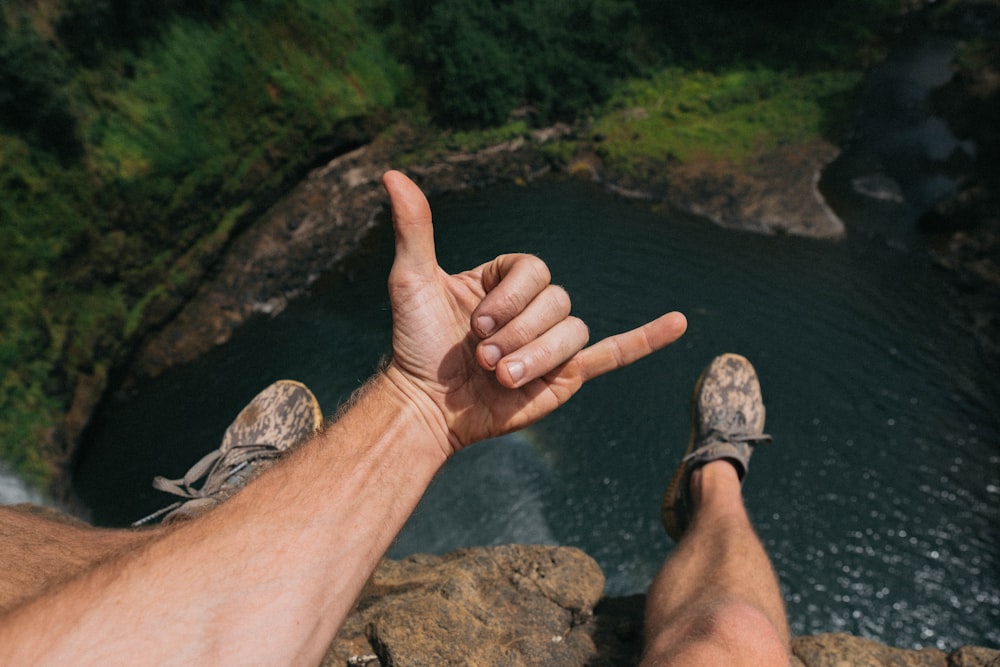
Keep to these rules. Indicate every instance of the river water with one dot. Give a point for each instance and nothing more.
(879, 499)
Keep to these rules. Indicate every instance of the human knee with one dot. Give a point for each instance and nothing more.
(744, 630)
(731, 632)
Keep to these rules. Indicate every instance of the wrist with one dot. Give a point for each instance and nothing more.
(412, 399)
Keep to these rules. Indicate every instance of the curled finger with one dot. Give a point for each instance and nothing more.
(545, 311)
(537, 358)
(511, 282)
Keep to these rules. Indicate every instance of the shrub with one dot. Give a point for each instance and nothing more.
(33, 101)
(481, 60)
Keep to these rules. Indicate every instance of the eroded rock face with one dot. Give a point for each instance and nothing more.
(776, 193)
(507, 605)
(319, 223)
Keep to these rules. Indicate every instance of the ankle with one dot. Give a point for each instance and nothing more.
(716, 481)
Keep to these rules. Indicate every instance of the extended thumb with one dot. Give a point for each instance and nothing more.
(411, 220)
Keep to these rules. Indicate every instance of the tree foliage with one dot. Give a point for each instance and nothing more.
(135, 138)
(790, 34)
(480, 60)
(33, 99)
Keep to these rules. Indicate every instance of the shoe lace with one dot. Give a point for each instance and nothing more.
(735, 437)
(734, 431)
(216, 467)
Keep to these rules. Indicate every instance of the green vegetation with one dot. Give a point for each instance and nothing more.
(137, 137)
(131, 142)
(683, 115)
(478, 61)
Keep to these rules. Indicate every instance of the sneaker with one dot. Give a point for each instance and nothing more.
(727, 422)
(278, 418)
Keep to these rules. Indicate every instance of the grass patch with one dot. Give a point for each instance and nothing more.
(678, 115)
(434, 144)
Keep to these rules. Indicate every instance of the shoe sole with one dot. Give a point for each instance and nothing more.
(284, 414)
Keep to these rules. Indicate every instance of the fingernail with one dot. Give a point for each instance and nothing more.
(491, 355)
(516, 370)
(486, 325)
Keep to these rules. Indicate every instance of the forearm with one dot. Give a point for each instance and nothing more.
(266, 578)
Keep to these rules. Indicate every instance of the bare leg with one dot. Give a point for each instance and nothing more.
(717, 600)
(37, 551)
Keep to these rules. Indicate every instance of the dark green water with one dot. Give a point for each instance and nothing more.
(878, 499)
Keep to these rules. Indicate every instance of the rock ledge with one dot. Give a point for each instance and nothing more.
(542, 605)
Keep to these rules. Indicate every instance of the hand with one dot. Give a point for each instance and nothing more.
(493, 349)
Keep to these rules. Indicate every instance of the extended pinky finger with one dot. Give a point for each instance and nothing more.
(625, 348)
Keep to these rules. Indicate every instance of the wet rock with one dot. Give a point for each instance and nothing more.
(776, 193)
(879, 187)
(970, 221)
(963, 211)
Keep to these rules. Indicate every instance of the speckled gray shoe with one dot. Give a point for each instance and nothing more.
(280, 417)
(727, 422)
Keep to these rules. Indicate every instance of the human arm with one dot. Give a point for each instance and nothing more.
(269, 576)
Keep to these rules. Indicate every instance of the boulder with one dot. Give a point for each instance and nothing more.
(777, 192)
(843, 650)
(508, 605)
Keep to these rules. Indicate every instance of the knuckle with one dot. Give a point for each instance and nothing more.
(521, 332)
(510, 303)
(581, 327)
(560, 298)
(542, 270)
(537, 268)
(540, 355)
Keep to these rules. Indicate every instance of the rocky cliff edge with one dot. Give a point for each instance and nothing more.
(543, 605)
